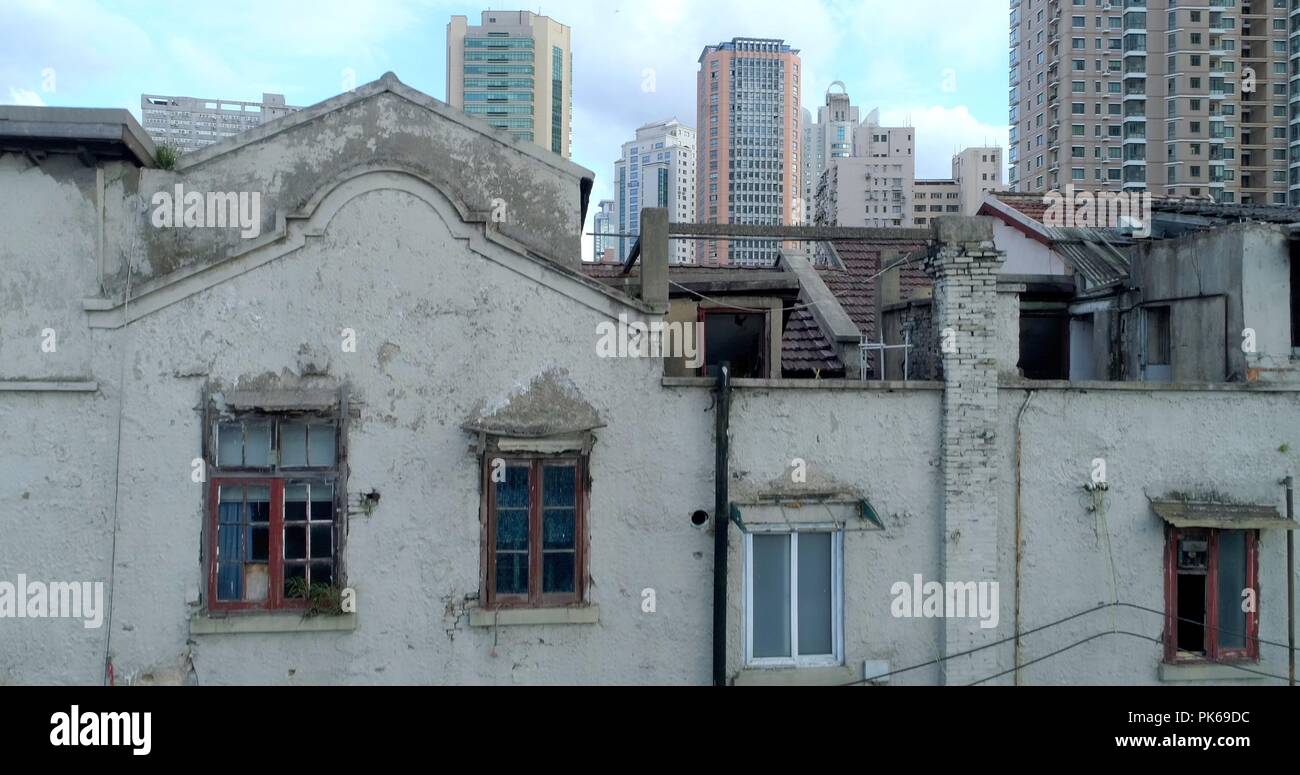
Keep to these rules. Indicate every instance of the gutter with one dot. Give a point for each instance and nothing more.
(721, 521)
(1029, 396)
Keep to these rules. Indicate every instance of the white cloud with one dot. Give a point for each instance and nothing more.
(941, 132)
(24, 97)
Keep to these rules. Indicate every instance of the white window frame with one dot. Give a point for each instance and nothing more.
(837, 597)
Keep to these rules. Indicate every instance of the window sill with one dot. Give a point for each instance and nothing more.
(488, 617)
(203, 624)
(796, 676)
(1205, 671)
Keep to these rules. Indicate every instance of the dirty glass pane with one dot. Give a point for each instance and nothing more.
(230, 444)
(257, 444)
(320, 441)
(256, 583)
(1232, 582)
(229, 547)
(558, 486)
(259, 503)
(557, 571)
(293, 444)
(230, 581)
(771, 589)
(322, 502)
(293, 571)
(513, 492)
(295, 542)
(322, 573)
(512, 529)
(322, 542)
(512, 573)
(231, 500)
(815, 593)
(259, 543)
(557, 529)
(295, 502)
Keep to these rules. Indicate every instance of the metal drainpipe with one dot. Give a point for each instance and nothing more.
(1290, 583)
(721, 521)
(1029, 396)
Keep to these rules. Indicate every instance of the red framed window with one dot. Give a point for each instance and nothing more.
(273, 529)
(1211, 594)
(535, 533)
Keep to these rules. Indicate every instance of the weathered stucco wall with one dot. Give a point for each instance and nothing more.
(1154, 442)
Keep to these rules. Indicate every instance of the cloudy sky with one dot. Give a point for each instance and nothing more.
(939, 65)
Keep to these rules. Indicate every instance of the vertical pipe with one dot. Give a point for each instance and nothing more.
(1290, 584)
(1029, 395)
(721, 521)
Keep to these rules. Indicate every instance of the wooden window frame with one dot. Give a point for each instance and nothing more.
(276, 478)
(535, 598)
(1213, 652)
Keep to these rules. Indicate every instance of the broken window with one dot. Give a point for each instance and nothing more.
(793, 598)
(1212, 594)
(739, 338)
(274, 523)
(1044, 345)
(1156, 344)
(536, 531)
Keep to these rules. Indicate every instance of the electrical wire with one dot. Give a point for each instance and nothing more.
(1040, 628)
(117, 465)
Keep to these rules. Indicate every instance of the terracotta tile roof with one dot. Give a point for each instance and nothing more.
(855, 286)
(805, 349)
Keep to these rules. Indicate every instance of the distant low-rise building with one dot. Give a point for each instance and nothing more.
(190, 123)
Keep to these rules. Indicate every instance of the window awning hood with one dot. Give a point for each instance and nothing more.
(1224, 516)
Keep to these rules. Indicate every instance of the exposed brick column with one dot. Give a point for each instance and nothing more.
(965, 266)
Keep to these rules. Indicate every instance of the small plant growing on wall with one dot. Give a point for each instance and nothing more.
(321, 598)
(166, 156)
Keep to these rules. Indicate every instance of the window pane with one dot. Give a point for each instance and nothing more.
(557, 529)
(815, 593)
(557, 571)
(512, 529)
(771, 589)
(322, 501)
(293, 444)
(295, 502)
(558, 486)
(293, 571)
(259, 503)
(513, 492)
(295, 542)
(230, 444)
(259, 543)
(257, 444)
(320, 450)
(322, 542)
(512, 573)
(1232, 582)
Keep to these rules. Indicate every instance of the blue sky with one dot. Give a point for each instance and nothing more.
(939, 65)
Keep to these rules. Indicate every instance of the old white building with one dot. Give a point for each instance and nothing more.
(394, 399)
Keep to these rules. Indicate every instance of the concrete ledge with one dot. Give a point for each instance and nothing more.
(484, 617)
(804, 384)
(1206, 671)
(797, 676)
(47, 386)
(202, 624)
(1006, 383)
